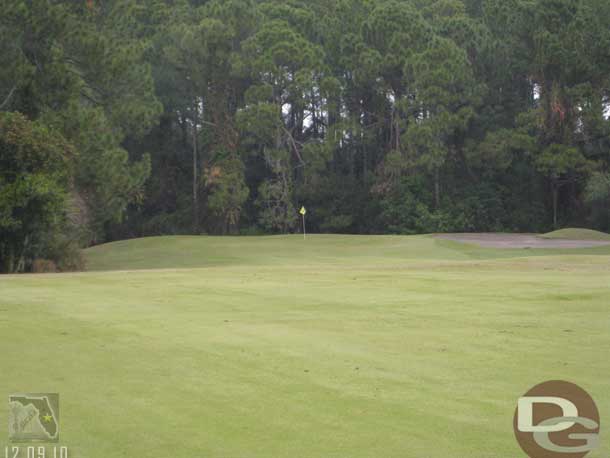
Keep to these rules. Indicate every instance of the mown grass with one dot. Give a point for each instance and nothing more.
(192, 252)
(336, 346)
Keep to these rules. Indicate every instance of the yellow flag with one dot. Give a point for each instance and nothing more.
(303, 211)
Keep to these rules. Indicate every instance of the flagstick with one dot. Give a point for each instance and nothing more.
(304, 231)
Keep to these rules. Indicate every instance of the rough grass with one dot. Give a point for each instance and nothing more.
(577, 234)
(343, 347)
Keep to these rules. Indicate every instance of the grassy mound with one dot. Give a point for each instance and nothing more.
(291, 250)
(192, 252)
(577, 234)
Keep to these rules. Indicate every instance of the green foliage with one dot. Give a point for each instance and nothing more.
(598, 197)
(277, 212)
(381, 116)
(105, 177)
(228, 192)
(35, 174)
(80, 70)
(558, 160)
(598, 189)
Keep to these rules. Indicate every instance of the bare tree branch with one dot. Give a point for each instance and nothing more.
(8, 98)
(294, 145)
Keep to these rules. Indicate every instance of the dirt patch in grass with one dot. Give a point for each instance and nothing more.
(520, 241)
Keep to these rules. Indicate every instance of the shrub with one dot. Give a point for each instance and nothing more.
(43, 266)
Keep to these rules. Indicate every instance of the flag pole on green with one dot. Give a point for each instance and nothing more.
(303, 212)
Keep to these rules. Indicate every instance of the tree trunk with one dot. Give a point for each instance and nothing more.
(20, 265)
(10, 263)
(555, 203)
(195, 174)
(437, 188)
(365, 161)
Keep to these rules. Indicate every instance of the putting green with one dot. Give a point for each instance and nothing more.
(335, 346)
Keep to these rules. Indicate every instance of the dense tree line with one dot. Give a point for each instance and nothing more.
(125, 118)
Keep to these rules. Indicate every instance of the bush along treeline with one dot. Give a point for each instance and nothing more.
(128, 118)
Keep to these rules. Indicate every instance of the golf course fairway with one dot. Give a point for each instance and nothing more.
(330, 347)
